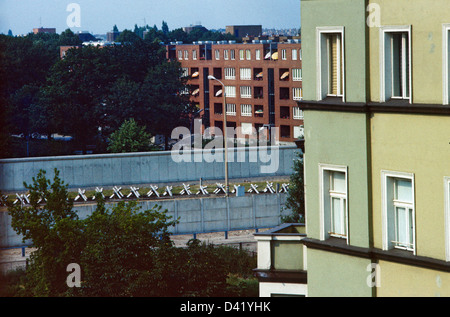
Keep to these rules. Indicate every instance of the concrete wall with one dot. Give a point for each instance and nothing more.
(197, 215)
(145, 168)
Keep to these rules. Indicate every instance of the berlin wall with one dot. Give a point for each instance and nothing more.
(82, 171)
(196, 215)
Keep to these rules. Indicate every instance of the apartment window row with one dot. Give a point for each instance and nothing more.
(244, 54)
(397, 206)
(395, 63)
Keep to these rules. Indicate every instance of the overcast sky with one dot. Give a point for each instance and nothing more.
(99, 16)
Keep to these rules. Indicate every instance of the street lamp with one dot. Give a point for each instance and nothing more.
(227, 187)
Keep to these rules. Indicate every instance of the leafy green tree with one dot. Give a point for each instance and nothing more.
(130, 137)
(115, 248)
(47, 225)
(296, 194)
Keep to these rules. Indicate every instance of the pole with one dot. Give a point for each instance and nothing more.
(227, 187)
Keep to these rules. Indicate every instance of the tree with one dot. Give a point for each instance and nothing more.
(296, 194)
(115, 248)
(47, 225)
(129, 138)
(115, 29)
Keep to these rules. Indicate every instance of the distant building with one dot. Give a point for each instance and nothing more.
(263, 81)
(85, 36)
(241, 31)
(189, 29)
(112, 36)
(44, 30)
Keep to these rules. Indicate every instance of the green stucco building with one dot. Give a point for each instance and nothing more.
(377, 147)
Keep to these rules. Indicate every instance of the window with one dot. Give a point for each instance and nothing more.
(338, 204)
(231, 109)
(248, 55)
(330, 54)
(184, 72)
(241, 55)
(230, 73)
(283, 54)
(230, 91)
(297, 93)
(225, 54)
(334, 65)
(246, 73)
(446, 64)
(297, 74)
(232, 55)
(180, 54)
(333, 201)
(217, 54)
(297, 113)
(300, 53)
(398, 219)
(246, 110)
(258, 55)
(186, 54)
(395, 64)
(194, 54)
(294, 54)
(246, 92)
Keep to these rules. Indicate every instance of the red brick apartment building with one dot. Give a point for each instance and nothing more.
(262, 80)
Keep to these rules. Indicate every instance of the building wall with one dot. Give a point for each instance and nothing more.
(337, 138)
(417, 144)
(196, 215)
(426, 19)
(210, 66)
(147, 167)
(346, 13)
(334, 275)
(412, 282)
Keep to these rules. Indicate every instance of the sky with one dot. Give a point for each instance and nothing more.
(99, 16)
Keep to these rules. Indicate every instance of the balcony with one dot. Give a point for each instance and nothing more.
(281, 261)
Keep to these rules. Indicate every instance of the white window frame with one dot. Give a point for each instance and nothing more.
(246, 91)
(186, 54)
(232, 54)
(245, 73)
(297, 93)
(248, 54)
(297, 74)
(231, 109)
(246, 110)
(446, 64)
(241, 55)
(217, 54)
(385, 81)
(322, 60)
(294, 54)
(300, 54)
(230, 91)
(230, 73)
(194, 54)
(225, 55)
(324, 202)
(283, 54)
(258, 54)
(297, 113)
(388, 226)
(447, 216)
(180, 54)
